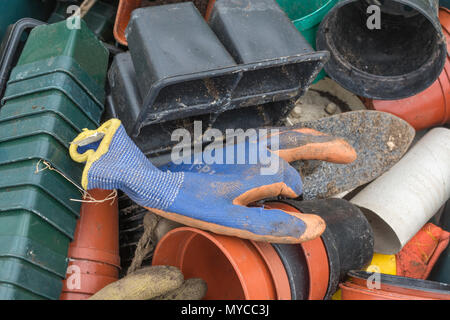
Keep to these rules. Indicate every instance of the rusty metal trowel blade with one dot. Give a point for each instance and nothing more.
(380, 140)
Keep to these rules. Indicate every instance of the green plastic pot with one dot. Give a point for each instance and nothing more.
(306, 16)
(38, 202)
(12, 292)
(80, 44)
(441, 270)
(444, 3)
(23, 173)
(34, 253)
(29, 277)
(63, 64)
(24, 223)
(41, 146)
(52, 101)
(100, 18)
(47, 123)
(55, 81)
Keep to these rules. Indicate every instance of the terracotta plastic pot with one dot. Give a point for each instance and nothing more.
(74, 296)
(392, 288)
(97, 232)
(431, 107)
(125, 9)
(95, 268)
(401, 201)
(316, 258)
(346, 244)
(94, 251)
(89, 284)
(233, 268)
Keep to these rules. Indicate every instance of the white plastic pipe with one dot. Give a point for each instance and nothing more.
(403, 199)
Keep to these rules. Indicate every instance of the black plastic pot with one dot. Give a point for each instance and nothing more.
(9, 47)
(348, 237)
(183, 67)
(294, 263)
(277, 62)
(402, 58)
(154, 140)
(267, 60)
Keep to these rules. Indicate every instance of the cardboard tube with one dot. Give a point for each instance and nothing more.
(402, 200)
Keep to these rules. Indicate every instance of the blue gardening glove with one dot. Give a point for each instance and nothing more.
(216, 203)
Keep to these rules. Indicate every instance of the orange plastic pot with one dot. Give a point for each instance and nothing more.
(89, 284)
(233, 268)
(355, 292)
(123, 16)
(94, 268)
(74, 296)
(316, 260)
(391, 287)
(97, 233)
(431, 107)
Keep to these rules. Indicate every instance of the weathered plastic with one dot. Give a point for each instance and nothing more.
(430, 107)
(23, 223)
(26, 276)
(37, 201)
(399, 60)
(125, 103)
(63, 64)
(99, 19)
(306, 17)
(24, 173)
(197, 77)
(52, 101)
(80, 44)
(55, 81)
(10, 44)
(12, 292)
(277, 62)
(41, 146)
(31, 251)
(41, 123)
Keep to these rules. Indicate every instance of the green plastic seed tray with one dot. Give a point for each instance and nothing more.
(24, 173)
(45, 147)
(29, 277)
(62, 64)
(12, 292)
(23, 223)
(48, 123)
(34, 253)
(50, 101)
(40, 203)
(56, 81)
(53, 40)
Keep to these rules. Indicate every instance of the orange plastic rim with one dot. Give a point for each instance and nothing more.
(89, 284)
(95, 268)
(316, 259)
(233, 268)
(74, 296)
(391, 288)
(352, 291)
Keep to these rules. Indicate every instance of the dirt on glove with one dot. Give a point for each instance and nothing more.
(143, 284)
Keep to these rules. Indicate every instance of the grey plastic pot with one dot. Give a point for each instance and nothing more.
(400, 59)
